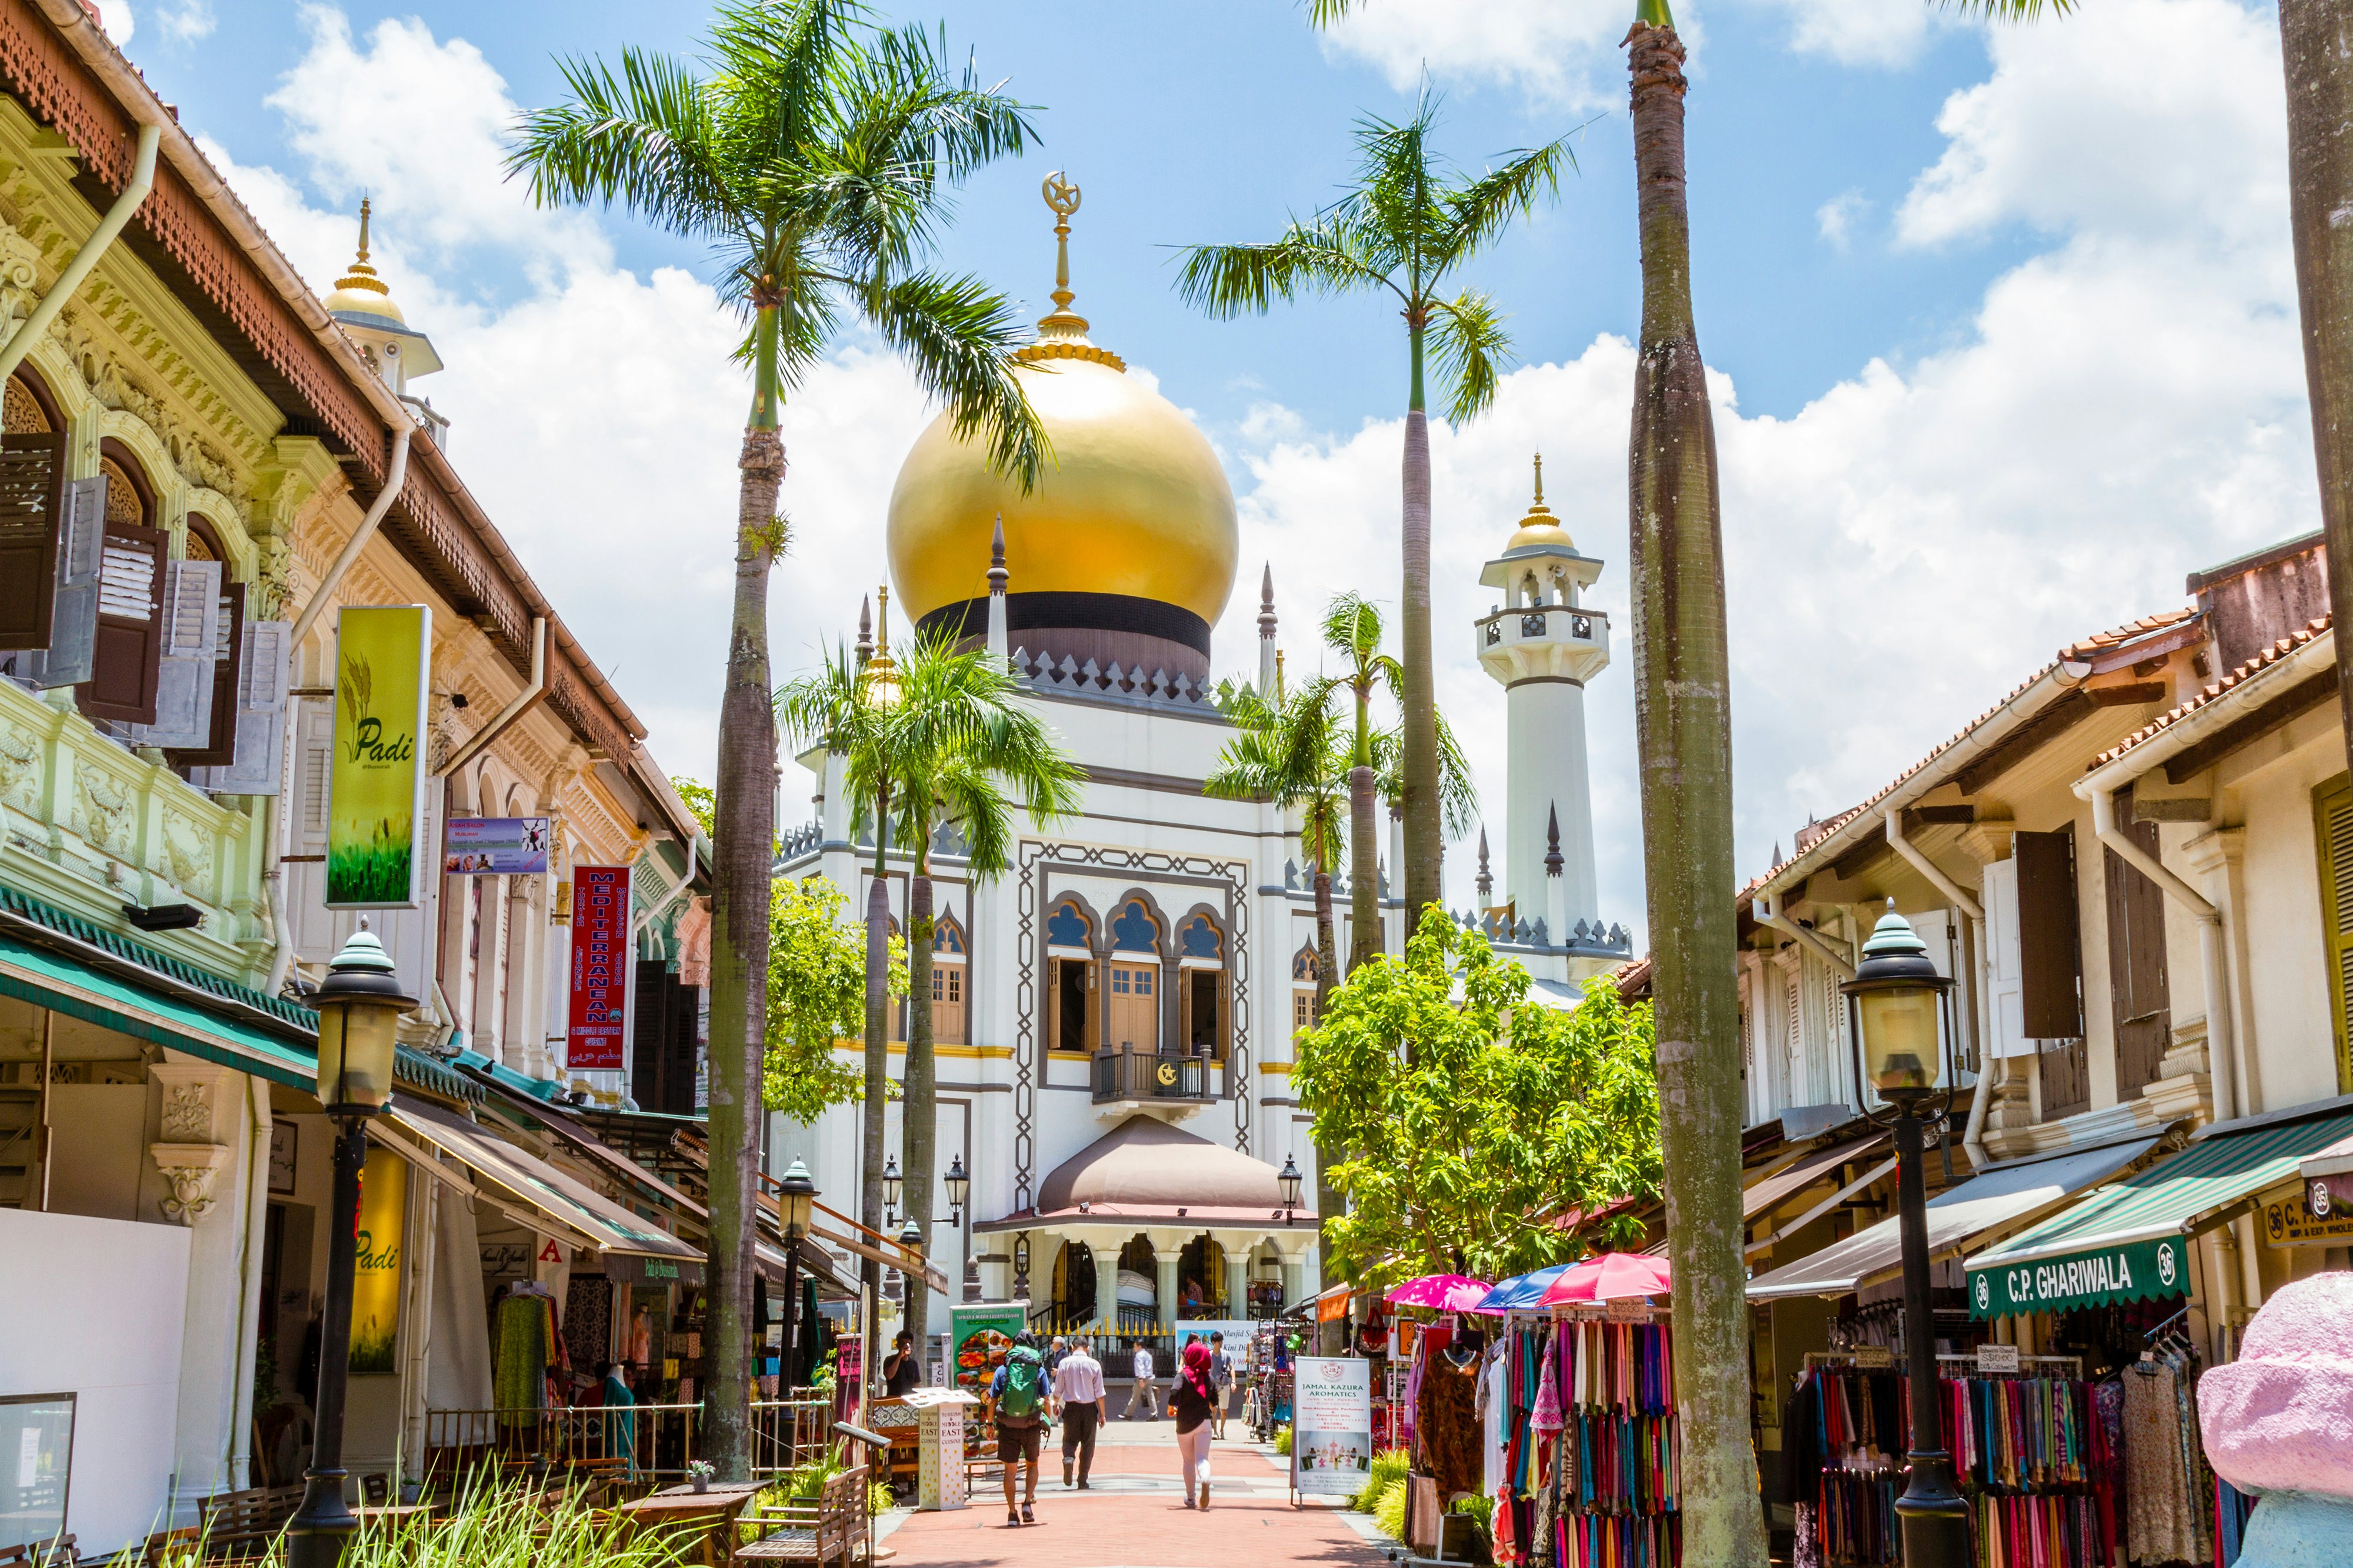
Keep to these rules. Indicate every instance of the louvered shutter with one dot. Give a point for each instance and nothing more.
(219, 747)
(258, 714)
(32, 508)
(313, 741)
(2332, 812)
(128, 659)
(184, 685)
(81, 549)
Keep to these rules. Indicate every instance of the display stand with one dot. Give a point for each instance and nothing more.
(939, 1415)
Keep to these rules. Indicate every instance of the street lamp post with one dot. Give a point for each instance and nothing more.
(360, 1004)
(797, 1196)
(959, 1188)
(892, 1182)
(1896, 1004)
(911, 1278)
(1290, 1182)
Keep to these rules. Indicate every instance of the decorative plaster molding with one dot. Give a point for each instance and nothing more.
(190, 1168)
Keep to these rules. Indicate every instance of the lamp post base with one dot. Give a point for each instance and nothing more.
(1934, 1516)
(322, 1526)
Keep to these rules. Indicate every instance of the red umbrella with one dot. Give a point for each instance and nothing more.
(1611, 1276)
(1440, 1292)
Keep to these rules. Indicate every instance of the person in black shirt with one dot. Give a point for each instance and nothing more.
(1195, 1403)
(903, 1370)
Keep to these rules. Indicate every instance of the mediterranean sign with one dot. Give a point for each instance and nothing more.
(2313, 1220)
(1331, 1425)
(2134, 1271)
(494, 845)
(376, 1282)
(376, 790)
(600, 968)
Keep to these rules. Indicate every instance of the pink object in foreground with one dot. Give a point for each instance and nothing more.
(2280, 1418)
(1611, 1276)
(1440, 1293)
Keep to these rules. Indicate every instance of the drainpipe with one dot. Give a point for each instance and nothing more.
(1981, 1097)
(524, 702)
(142, 179)
(2221, 1058)
(393, 478)
(249, 1340)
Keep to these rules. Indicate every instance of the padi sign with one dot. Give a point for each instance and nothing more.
(2136, 1271)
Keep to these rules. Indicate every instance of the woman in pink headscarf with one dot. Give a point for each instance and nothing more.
(1197, 1402)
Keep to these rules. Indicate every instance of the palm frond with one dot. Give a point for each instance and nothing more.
(1223, 281)
(1470, 347)
(2009, 10)
(960, 336)
(1479, 210)
(1328, 13)
(1351, 628)
(1457, 788)
(641, 139)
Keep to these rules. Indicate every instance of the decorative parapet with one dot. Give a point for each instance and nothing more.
(102, 827)
(1130, 688)
(1583, 940)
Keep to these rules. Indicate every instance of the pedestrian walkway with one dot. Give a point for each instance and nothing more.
(1134, 1516)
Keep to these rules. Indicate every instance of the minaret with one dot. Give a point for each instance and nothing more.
(998, 649)
(362, 304)
(1486, 883)
(865, 631)
(1544, 645)
(1266, 659)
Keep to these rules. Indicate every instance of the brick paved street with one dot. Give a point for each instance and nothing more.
(1134, 1517)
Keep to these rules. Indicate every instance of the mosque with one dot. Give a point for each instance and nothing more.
(1115, 1014)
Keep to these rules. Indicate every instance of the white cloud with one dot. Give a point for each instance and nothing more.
(1837, 217)
(1549, 48)
(116, 16)
(188, 22)
(1887, 34)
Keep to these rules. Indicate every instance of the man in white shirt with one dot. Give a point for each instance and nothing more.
(1079, 1390)
(1142, 1388)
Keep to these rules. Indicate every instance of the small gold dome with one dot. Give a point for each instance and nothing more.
(1135, 504)
(361, 290)
(1540, 527)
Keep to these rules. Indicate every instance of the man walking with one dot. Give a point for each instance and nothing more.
(1221, 1378)
(1018, 1393)
(1142, 1388)
(1079, 1390)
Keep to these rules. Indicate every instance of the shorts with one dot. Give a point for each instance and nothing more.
(1015, 1444)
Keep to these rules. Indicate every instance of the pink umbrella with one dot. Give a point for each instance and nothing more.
(1613, 1276)
(1440, 1293)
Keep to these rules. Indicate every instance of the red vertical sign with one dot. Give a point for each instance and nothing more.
(600, 974)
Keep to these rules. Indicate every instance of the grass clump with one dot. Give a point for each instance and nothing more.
(1388, 1468)
(1388, 1511)
(1282, 1439)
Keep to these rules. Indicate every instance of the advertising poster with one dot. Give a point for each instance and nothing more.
(375, 1285)
(376, 790)
(600, 968)
(1331, 1426)
(494, 845)
(1238, 1334)
(978, 1334)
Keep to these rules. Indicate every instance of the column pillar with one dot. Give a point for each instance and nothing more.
(2219, 858)
(1238, 1274)
(1107, 1285)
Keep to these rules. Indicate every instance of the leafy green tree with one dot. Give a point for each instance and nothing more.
(812, 152)
(816, 996)
(1405, 225)
(1474, 1151)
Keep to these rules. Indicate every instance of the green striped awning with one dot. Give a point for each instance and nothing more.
(2130, 1241)
(54, 981)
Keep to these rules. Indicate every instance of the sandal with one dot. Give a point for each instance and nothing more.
(1026, 1516)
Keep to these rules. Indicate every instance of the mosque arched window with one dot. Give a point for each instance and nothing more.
(949, 977)
(30, 410)
(1072, 1021)
(1134, 930)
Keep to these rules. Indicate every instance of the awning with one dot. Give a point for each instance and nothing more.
(1804, 1172)
(1958, 1218)
(65, 986)
(581, 1212)
(2130, 1242)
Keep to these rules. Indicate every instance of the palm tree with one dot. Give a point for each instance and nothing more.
(1352, 628)
(961, 747)
(1405, 227)
(1293, 752)
(813, 153)
(1683, 713)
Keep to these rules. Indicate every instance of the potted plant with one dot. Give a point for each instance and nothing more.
(698, 1472)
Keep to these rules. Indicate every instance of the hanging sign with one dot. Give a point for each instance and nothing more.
(600, 968)
(2310, 1218)
(2132, 1271)
(1331, 1425)
(376, 816)
(375, 1283)
(494, 845)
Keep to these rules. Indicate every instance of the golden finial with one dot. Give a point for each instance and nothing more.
(881, 672)
(1540, 505)
(1063, 331)
(363, 276)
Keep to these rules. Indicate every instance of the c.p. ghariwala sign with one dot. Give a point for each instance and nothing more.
(2133, 1272)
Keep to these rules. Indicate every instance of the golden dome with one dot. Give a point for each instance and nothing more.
(1134, 506)
(1540, 527)
(361, 290)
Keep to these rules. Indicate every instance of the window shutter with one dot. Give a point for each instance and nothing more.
(184, 681)
(258, 714)
(313, 741)
(128, 659)
(81, 546)
(219, 747)
(32, 507)
(2051, 968)
(2332, 812)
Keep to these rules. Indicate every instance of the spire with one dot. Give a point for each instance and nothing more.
(1552, 842)
(1063, 331)
(1486, 881)
(997, 574)
(1266, 603)
(362, 276)
(882, 671)
(865, 631)
(1539, 505)
(1269, 665)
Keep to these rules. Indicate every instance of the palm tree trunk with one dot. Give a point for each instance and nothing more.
(1364, 869)
(1682, 713)
(1424, 837)
(1329, 1201)
(878, 1040)
(2314, 38)
(919, 1117)
(745, 857)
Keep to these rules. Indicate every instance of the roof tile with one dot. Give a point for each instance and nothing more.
(2242, 674)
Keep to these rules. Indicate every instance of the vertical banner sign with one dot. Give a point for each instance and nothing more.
(600, 969)
(375, 1285)
(1331, 1425)
(376, 820)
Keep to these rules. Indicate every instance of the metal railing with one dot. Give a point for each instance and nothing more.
(653, 1443)
(1164, 1075)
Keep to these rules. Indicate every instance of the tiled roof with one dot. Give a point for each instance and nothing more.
(2117, 636)
(2239, 677)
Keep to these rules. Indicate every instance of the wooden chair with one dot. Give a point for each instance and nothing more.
(831, 1530)
(244, 1523)
(169, 1549)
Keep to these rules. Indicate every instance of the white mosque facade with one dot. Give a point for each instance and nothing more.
(1115, 1015)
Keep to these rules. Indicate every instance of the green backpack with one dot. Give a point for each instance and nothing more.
(1025, 1385)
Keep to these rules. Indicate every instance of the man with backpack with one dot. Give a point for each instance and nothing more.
(1018, 1393)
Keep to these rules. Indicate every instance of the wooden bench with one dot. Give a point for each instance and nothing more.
(833, 1529)
(243, 1524)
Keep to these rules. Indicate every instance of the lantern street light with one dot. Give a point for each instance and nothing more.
(892, 1185)
(959, 1188)
(1291, 1181)
(360, 1004)
(796, 1207)
(911, 1273)
(1897, 1009)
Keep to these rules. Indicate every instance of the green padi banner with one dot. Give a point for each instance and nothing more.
(375, 817)
(2134, 1271)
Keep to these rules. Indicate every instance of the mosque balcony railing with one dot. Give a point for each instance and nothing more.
(1159, 1075)
(1533, 623)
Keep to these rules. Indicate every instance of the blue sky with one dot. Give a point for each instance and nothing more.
(2002, 324)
